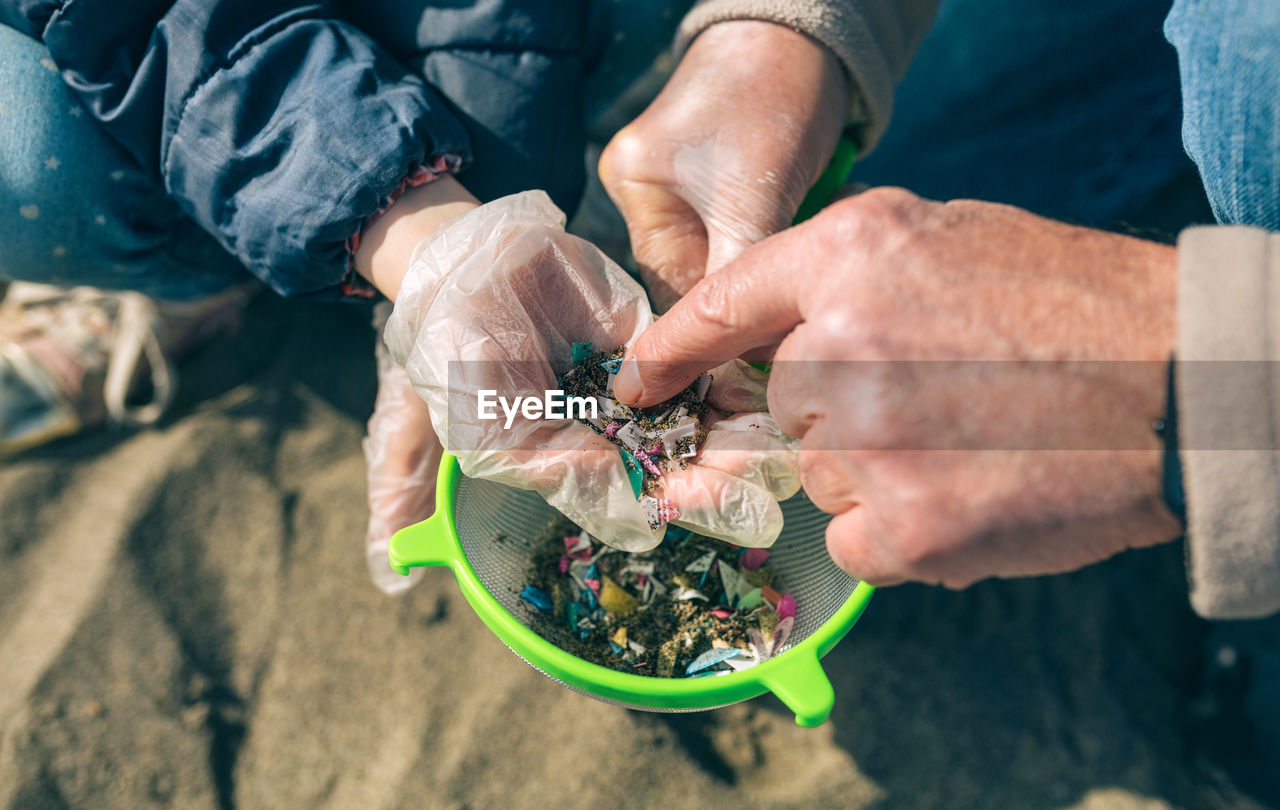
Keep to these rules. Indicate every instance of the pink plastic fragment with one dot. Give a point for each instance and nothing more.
(647, 462)
(611, 429)
(721, 613)
(786, 606)
(753, 558)
(594, 585)
(564, 564)
(577, 547)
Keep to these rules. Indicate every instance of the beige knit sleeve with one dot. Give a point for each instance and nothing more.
(874, 40)
(1228, 410)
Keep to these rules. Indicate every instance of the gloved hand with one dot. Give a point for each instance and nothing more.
(402, 455)
(494, 300)
(725, 154)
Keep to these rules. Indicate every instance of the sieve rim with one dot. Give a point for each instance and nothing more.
(795, 675)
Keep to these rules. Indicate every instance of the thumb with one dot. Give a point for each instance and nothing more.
(755, 300)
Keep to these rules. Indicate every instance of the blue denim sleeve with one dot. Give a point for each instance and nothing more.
(1229, 59)
(276, 126)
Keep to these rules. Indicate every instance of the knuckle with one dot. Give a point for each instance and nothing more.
(823, 483)
(854, 553)
(622, 156)
(713, 304)
(889, 199)
(882, 202)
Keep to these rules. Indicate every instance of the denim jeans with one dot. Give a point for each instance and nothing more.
(1067, 108)
(75, 208)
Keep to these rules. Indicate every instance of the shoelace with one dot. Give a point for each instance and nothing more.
(135, 336)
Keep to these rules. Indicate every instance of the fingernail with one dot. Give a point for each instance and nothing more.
(627, 386)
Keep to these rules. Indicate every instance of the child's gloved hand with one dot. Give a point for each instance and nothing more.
(725, 154)
(494, 300)
(402, 454)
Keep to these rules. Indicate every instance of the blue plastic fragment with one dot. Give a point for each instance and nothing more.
(581, 351)
(572, 611)
(616, 649)
(612, 366)
(703, 581)
(536, 597)
(712, 657)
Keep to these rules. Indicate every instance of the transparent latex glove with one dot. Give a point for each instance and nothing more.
(494, 301)
(725, 154)
(402, 455)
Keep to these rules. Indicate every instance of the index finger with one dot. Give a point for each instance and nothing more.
(754, 300)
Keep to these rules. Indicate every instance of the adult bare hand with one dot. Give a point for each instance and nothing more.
(723, 157)
(975, 386)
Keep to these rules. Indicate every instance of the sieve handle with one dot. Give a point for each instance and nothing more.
(428, 542)
(803, 686)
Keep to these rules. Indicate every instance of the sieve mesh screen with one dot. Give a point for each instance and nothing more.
(485, 510)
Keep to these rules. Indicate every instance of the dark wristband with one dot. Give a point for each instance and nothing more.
(1167, 429)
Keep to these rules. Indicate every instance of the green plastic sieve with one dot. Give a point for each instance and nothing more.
(471, 513)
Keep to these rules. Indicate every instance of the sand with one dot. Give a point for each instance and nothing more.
(186, 622)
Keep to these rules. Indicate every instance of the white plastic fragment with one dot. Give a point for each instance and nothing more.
(611, 409)
(631, 435)
(640, 569)
(732, 584)
(686, 428)
(685, 594)
(658, 511)
(702, 563)
(703, 382)
(781, 633)
(740, 663)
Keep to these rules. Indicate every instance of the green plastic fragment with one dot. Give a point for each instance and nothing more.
(750, 599)
(634, 471)
(581, 351)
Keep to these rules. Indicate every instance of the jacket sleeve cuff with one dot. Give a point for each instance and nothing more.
(1228, 403)
(286, 184)
(873, 39)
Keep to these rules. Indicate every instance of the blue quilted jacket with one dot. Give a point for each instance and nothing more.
(280, 126)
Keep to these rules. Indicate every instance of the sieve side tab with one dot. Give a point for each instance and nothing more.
(803, 686)
(428, 542)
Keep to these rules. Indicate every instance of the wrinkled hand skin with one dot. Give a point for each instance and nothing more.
(723, 157)
(938, 477)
